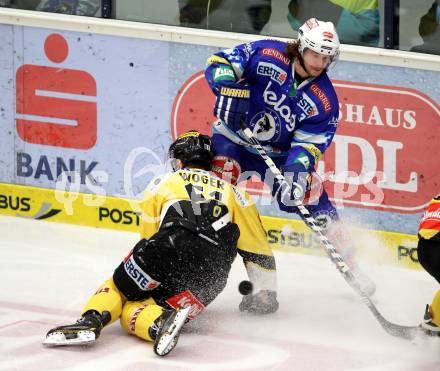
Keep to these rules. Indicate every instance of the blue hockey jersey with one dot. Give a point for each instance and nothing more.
(286, 118)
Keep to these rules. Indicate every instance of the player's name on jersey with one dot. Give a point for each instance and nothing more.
(196, 177)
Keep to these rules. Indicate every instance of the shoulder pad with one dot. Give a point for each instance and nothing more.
(157, 181)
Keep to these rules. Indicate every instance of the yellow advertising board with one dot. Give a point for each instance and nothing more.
(69, 207)
(123, 214)
(376, 246)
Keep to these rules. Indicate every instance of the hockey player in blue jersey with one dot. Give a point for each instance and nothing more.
(282, 92)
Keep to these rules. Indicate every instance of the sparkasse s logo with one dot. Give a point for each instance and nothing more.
(386, 140)
(56, 106)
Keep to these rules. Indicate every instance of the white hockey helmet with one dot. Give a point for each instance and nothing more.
(319, 36)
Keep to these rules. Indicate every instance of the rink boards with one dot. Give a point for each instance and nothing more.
(123, 214)
(105, 98)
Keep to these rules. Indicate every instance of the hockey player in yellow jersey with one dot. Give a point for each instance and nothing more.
(193, 225)
(428, 251)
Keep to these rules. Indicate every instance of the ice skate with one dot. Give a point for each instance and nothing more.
(169, 326)
(85, 331)
(428, 326)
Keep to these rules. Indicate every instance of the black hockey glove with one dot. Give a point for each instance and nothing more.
(263, 302)
(232, 104)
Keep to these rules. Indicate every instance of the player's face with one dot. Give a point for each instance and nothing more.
(315, 63)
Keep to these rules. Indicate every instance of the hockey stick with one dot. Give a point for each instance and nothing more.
(407, 332)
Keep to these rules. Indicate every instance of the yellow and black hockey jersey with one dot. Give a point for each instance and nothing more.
(429, 227)
(186, 184)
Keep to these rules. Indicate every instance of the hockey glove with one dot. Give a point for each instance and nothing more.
(263, 302)
(232, 104)
(293, 190)
(297, 175)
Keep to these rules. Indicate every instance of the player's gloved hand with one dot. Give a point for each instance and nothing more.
(232, 104)
(263, 302)
(297, 173)
(297, 184)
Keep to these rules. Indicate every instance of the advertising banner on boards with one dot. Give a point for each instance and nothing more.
(96, 114)
(78, 109)
(374, 161)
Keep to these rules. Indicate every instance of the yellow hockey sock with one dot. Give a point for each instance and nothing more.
(435, 308)
(107, 298)
(138, 316)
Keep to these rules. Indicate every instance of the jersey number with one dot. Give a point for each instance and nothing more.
(195, 193)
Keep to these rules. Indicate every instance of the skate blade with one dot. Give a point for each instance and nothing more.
(58, 338)
(168, 340)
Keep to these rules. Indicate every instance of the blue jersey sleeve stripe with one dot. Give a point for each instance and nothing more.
(304, 136)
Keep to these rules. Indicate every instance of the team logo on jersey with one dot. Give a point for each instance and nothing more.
(268, 69)
(283, 110)
(266, 125)
(307, 106)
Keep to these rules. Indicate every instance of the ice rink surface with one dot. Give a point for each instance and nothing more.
(49, 270)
